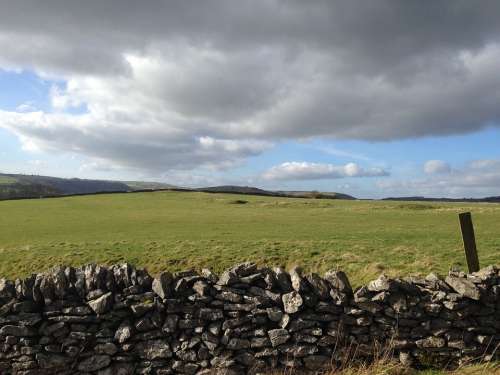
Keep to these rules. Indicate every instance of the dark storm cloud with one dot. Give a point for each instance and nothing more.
(159, 76)
(384, 35)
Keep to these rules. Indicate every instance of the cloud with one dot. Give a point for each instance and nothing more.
(315, 171)
(436, 167)
(159, 79)
(143, 148)
(477, 178)
(26, 107)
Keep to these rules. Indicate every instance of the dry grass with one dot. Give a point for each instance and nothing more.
(391, 367)
(383, 362)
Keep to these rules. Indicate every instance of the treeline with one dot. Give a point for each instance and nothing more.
(18, 190)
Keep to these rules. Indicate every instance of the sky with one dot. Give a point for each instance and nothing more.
(373, 99)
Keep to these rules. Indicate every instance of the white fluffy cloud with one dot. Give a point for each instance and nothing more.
(478, 178)
(315, 171)
(436, 167)
(176, 85)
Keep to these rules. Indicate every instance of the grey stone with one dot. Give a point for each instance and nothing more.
(292, 302)
(274, 314)
(162, 285)
(123, 333)
(107, 348)
(102, 304)
(60, 282)
(278, 336)
(123, 275)
(232, 275)
(431, 342)
(383, 283)
(338, 280)
(319, 286)
(7, 289)
(11, 330)
(139, 309)
(118, 369)
(52, 361)
(283, 280)
(254, 322)
(94, 363)
(464, 287)
(299, 284)
(153, 349)
(238, 344)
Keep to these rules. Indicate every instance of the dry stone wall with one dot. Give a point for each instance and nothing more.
(120, 320)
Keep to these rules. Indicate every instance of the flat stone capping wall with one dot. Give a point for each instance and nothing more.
(120, 320)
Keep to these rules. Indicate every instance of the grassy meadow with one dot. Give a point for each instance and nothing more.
(176, 230)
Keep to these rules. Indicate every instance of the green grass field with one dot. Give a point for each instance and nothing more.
(174, 231)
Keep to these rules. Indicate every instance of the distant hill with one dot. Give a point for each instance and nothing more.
(317, 194)
(20, 186)
(249, 190)
(14, 186)
(145, 185)
(232, 189)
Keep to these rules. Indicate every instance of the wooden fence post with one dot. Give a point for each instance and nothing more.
(469, 241)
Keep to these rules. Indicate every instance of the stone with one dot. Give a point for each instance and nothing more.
(123, 333)
(338, 280)
(283, 280)
(170, 324)
(210, 314)
(431, 342)
(46, 287)
(18, 331)
(299, 284)
(94, 363)
(139, 309)
(94, 277)
(238, 344)
(163, 285)
(406, 359)
(232, 275)
(118, 369)
(285, 320)
(102, 304)
(60, 282)
(52, 361)
(252, 324)
(153, 349)
(292, 302)
(278, 336)
(486, 273)
(274, 314)
(7, 289)
(201, 288)
(382, 284)
(319, 286)
(209, 275)
(123, 275)
(398, 302)
(464, 287)
(299, 350)
(108, 348)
